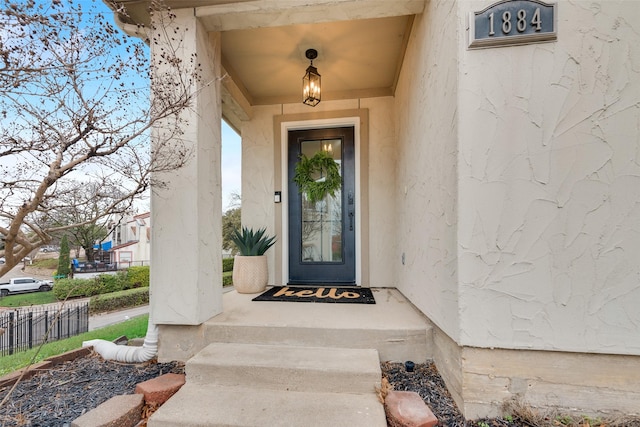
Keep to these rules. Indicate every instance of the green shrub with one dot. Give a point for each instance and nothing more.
(101, 284)
(137, 277)
(111, 282)
(227, 264)
(119, 300)
(76, 288)
(227, 280)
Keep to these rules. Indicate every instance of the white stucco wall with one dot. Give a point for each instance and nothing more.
(426, 192)
(549, 234)
(258, 175)
(186, 268)
(383, 153)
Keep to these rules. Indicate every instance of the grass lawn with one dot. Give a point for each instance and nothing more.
(33, 298)
(50, 263)
(132, 328)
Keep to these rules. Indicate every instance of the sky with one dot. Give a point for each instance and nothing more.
(231, 151)
(231, 164)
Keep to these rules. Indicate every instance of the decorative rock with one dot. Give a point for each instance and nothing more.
(407, 409)
(119, 411)
(158, 390)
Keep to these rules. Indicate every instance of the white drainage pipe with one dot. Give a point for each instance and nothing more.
(125, 353)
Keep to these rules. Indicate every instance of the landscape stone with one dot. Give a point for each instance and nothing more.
(119, 411)
(158, 390)
(407, 409)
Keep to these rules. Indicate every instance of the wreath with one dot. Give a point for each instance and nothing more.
(324, 165)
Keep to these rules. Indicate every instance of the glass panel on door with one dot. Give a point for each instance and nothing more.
(322, 220)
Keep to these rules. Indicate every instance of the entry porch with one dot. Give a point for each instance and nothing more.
(392, 326)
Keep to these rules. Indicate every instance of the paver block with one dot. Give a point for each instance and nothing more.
(407, 409)
(119, 411)
(158, 390)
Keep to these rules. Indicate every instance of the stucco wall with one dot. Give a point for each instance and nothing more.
(426, 193)
(258, 175)
(186, 272)
(549, 235)
(382, 191)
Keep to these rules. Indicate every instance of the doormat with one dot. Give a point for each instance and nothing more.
(330, 294)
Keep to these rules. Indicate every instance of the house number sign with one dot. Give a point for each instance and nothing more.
(510, 22)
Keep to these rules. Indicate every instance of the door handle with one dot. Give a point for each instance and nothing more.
(350, 220)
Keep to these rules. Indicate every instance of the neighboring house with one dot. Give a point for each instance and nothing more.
(498, 189)
(130, 241)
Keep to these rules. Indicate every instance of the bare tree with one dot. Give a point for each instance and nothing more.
(76, 111)
(84, 208)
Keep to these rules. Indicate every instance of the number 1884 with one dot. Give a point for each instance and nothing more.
(520, 21)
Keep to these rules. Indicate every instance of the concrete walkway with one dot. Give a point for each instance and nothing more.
(105, 319)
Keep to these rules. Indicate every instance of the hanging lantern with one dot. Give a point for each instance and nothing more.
(311, 81)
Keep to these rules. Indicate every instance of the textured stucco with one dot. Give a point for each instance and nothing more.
(426, 184)
(549, 233)
(258, 175)
(186, 214)
(382, 191)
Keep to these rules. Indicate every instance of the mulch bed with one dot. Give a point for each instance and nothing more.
(58, 396)
(426, 381)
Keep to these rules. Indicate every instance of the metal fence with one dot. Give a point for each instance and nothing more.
(101, 267)
(25, 329)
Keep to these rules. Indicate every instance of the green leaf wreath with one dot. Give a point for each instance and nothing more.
(324, 165)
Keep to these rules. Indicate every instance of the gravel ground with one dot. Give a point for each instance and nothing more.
(56, 397)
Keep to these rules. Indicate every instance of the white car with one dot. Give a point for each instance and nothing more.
(20, 285)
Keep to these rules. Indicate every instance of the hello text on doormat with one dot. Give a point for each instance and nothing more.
(318, 294)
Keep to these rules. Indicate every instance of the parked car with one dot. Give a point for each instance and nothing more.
(25, 259)
(20, 285)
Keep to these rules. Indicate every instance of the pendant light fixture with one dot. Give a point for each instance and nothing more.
(311, 81)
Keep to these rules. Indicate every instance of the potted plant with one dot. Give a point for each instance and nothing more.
(250, 274)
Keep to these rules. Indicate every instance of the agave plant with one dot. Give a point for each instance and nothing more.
(252, 243)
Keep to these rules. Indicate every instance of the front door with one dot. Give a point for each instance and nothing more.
(322, 233)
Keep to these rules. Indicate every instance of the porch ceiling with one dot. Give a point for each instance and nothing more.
(360, 44)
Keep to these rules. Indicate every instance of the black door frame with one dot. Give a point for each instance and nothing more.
(344, 272)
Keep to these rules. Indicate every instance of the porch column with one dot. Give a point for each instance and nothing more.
(186, 244)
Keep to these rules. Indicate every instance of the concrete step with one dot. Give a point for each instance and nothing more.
(293, 368)
(211, 405)
(408, 343)
(237, 384)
